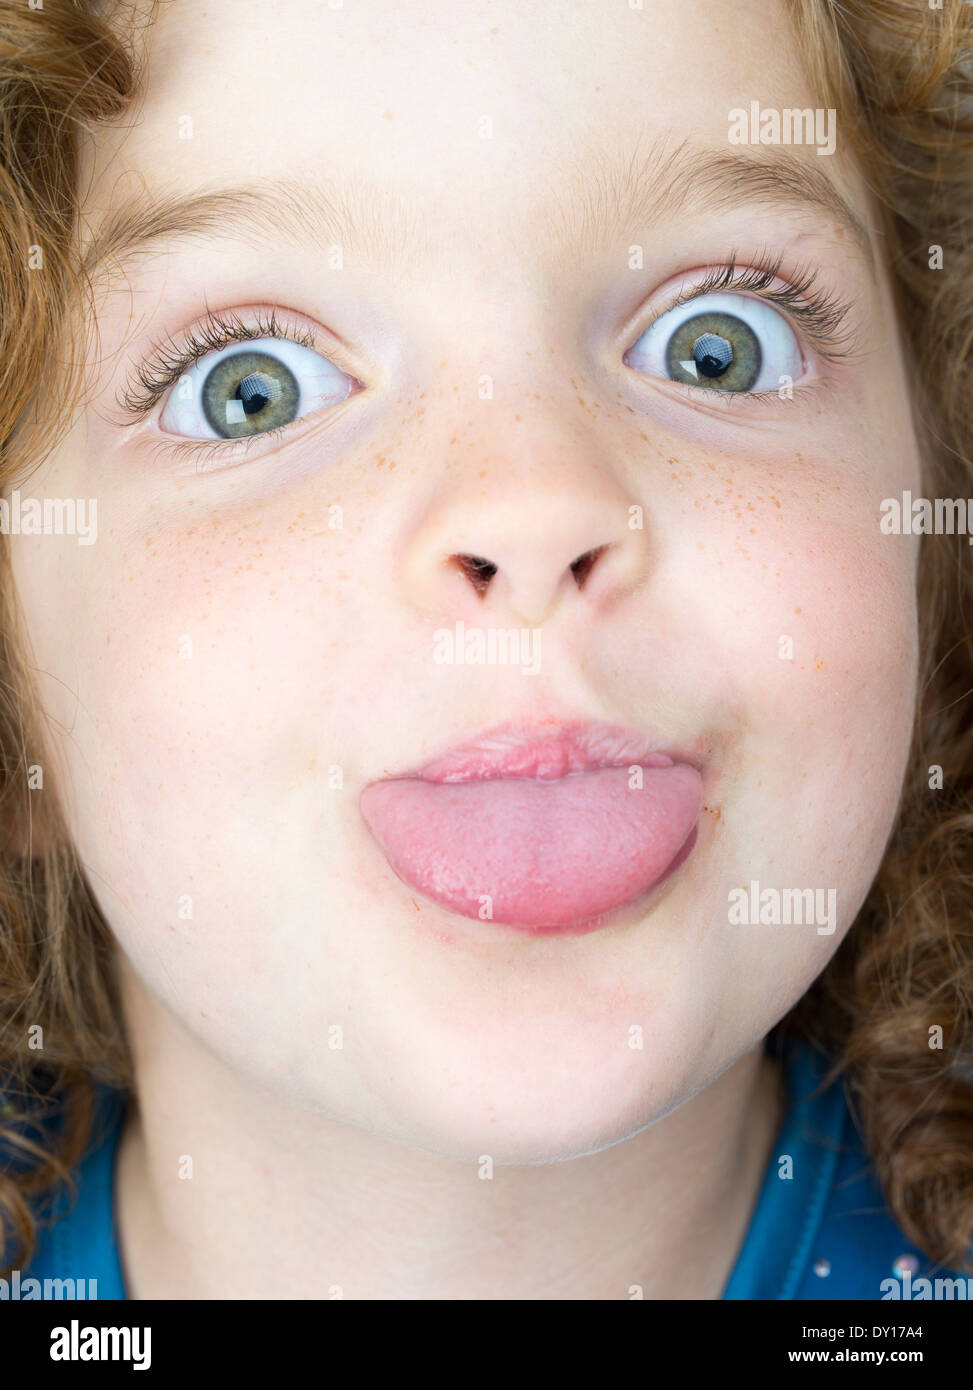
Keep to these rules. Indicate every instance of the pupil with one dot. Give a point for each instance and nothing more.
(256, 391)
(712, 354)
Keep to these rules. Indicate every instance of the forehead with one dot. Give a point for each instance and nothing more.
(459, 122)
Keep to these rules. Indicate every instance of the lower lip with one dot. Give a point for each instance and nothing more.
(545, 856)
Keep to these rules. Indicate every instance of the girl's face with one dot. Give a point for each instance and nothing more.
(464, 220)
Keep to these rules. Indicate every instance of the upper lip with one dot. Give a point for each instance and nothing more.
(551, 748)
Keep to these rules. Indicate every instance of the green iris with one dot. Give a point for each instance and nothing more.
(249, 392)
(722, 348)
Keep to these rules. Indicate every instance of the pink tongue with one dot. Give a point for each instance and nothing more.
(544, 853)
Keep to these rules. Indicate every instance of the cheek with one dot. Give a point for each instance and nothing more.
(805, 622)
(200, 690)
(785, 623)
(202, 695)
(827, 653)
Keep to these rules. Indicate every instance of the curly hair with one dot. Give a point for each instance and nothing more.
(893, 1010)
(894, 1007)
(61, 69)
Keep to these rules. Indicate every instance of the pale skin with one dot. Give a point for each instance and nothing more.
(316, 1167)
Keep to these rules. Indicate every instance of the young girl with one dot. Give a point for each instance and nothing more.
(486, 741)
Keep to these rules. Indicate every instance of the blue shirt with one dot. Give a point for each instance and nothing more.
(820, 1229)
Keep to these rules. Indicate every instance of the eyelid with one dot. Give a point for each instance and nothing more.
(168, 359)
(819, 314)
(224, 452)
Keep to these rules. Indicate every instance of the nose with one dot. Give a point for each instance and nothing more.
(525, 537)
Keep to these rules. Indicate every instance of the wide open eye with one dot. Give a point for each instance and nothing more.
(727, 342)
(243, 390)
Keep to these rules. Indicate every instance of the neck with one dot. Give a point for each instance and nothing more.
(277, 1202)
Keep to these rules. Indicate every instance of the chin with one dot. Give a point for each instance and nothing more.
(557, 1097)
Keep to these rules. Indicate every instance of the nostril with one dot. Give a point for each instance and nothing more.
(585, 563)
(477, 570)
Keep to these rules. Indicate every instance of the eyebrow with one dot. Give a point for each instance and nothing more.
(374, 224)
(602, 200)
(620, 197)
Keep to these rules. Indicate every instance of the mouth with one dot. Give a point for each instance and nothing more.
(547, 827)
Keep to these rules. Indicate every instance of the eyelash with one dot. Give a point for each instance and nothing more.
(169, 360)
(822, 314)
